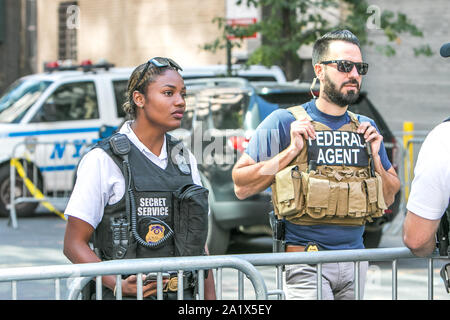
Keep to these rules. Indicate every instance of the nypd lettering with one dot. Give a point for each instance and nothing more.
(153, 206)
(341, 148)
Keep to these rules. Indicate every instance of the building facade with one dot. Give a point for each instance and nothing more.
(127, 33)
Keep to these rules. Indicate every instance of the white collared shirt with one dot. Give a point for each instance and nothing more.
(100, 181)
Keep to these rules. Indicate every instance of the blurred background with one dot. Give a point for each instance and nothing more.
(402, 84)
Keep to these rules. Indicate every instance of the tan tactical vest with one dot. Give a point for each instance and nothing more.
(330, 194)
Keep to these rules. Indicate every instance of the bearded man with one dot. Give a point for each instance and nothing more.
(339, 186)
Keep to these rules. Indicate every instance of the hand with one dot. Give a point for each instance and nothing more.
(371, 135)
(129, 286)
(301, 129)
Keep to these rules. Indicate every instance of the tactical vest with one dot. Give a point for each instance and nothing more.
(162, 213)
(342, 186)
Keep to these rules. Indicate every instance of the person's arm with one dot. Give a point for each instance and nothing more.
(251, 177)
(391, 182)
(76, 246)
(77, 250)
(210, 289)
(419, 234)
(430, 192)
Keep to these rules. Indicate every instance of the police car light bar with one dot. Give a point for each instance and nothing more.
(86, 66)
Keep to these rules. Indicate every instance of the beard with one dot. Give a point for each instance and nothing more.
(335, 95)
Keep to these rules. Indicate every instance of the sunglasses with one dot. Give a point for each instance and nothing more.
(158, 62)
(347, 66)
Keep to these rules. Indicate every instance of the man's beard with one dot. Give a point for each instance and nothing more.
(336, 96)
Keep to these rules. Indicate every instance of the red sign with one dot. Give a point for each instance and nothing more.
(243, 22)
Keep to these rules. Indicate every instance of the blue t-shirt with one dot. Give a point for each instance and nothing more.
(273, 136)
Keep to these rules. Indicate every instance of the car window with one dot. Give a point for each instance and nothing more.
(19, 97)
(70, 102)
(222, 108)
(120, 92)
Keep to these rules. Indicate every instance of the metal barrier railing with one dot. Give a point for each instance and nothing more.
(245, 264)
(46, 171)
(135, 266)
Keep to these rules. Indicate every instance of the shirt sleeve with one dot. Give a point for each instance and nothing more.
(195, 173)
(430, 189)
(271, 136)
(382, 152)
(99, 182)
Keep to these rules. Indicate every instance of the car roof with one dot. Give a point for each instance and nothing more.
(79, 74)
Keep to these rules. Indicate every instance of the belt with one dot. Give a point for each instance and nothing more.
(294, 248)
(310, 247)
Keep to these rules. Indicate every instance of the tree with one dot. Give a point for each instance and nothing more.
(288, 25)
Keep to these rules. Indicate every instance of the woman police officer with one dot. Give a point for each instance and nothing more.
(129, 184)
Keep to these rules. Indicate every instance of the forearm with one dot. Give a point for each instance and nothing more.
(250, 179)
(210, 290)
(82, 253)
(77, 249)
(419, 234)
(425, 249)
(391, 183)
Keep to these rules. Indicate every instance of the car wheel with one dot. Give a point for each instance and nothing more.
(22, 209)
(218, 238)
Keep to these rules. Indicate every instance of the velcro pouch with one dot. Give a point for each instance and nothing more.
(333, 198)
(372, 194)
(190, 220)
(287, 197)
(357, 205)
(317, 197)
(342, 206)
(381, 204)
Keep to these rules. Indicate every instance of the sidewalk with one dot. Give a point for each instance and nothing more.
(37, 241)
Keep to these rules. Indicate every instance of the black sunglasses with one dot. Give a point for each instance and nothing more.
(158, 62)
(347, 66)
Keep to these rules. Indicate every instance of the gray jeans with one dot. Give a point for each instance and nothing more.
(300, 281)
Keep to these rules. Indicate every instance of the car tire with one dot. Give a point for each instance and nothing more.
(218, 238)
(22, 209)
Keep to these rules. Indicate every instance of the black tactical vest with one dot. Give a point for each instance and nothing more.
(162, 212)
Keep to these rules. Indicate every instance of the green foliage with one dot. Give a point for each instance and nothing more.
(290, 24)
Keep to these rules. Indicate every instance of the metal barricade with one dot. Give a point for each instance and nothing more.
(46, 172)
(245, 264)
(393, 255)
(139, 267)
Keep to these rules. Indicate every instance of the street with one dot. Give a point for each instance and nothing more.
(38, 241)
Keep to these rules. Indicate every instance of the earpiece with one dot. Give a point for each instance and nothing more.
(312, 86)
